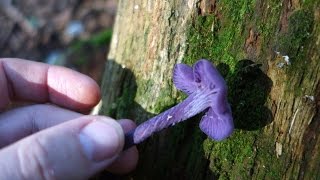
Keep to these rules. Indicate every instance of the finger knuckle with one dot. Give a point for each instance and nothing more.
(34, 162)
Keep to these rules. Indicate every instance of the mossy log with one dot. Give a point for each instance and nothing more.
(269, 53)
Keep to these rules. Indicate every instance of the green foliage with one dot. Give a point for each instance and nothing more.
(100, 39)
(81, 49)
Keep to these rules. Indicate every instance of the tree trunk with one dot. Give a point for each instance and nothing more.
(268, 52)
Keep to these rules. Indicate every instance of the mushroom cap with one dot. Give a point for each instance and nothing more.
(203, 77)
(217, 126)
(183, 78)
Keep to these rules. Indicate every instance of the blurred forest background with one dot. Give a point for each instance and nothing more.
(71, 33)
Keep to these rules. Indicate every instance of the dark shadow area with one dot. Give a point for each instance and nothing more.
(119, 89)
(249, 88)
(190, 157)
(309, 148)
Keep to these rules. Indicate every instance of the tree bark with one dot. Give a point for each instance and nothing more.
(268, 52)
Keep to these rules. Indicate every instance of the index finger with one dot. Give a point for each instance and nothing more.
(39, 82)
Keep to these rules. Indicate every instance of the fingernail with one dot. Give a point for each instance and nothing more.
(100, 140)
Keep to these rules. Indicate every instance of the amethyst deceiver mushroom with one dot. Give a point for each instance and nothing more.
(207, 90)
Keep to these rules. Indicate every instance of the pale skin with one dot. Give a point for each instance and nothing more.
(53, 138)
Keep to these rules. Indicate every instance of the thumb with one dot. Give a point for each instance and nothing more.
(76, 149)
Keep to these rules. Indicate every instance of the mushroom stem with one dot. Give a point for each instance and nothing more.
(191, 106)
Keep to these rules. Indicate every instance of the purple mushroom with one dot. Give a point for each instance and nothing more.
(207, 90)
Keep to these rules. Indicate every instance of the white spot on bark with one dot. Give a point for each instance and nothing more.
(280, 65)
(153, 42)
(286, 59)
(293, 119)
(311, 98)
(149, 6)
(163, 54)
(190, 4)
(278, 149)
(169, 117)
(136, 7)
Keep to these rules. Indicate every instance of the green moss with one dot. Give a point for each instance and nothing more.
(269, 166)
(300, 27)
(315, 172)
(125, 102)
(234, 157)
(310, 4)
(299, 30)
(221, 40)
(239, 157)
(266, 27)
(294, 43)
(143, 87)
(165, 100)
(124, 106)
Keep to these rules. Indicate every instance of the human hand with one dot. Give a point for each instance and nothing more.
(48, 142)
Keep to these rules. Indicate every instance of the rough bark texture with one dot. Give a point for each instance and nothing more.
(275, 103)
